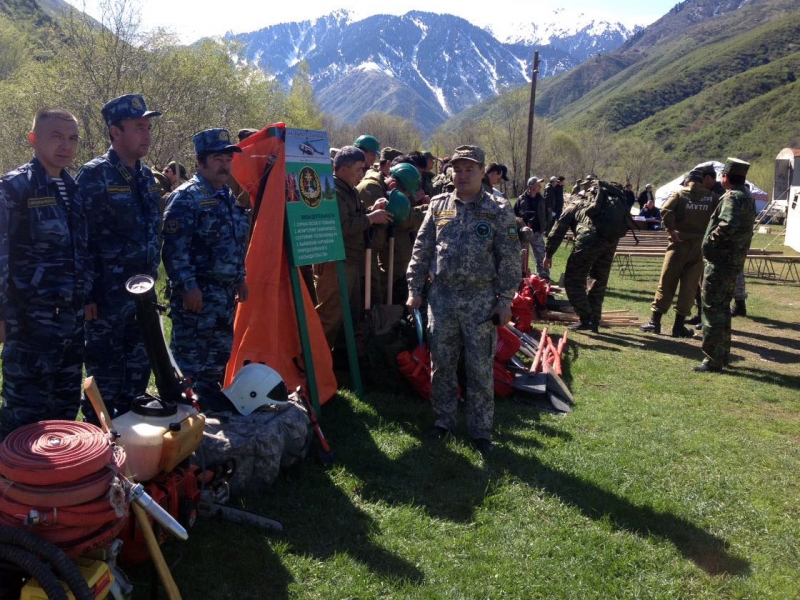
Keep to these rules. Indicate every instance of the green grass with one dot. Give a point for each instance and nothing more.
(662, 483)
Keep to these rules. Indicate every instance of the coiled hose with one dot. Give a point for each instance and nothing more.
(44, 561)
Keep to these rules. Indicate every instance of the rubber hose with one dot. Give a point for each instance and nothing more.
(66, 569)
(31, 564)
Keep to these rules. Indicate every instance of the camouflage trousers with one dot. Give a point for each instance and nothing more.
(717, 291)
(586, 276)
(683, 264)
(202, 342)
(42, 366)
(116, 356)
(462, 319)
(260, 444)
(739, 287)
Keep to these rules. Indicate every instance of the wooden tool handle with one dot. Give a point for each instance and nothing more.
(93, 393)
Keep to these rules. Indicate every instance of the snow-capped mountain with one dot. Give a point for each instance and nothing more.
(422, 66)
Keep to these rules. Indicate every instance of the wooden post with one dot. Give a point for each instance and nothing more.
(529, 148)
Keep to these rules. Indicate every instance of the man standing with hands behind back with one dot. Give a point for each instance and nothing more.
(44, 278)
(205, 234)
(468, 242)
(123, 206)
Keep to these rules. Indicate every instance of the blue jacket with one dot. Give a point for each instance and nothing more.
(43, 246)
(205, 233)
(123, 209)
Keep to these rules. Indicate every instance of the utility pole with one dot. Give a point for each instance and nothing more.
(529, 148)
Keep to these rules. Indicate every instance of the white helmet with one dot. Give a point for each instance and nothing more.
(254, 386)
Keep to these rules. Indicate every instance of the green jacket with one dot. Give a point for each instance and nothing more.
(730, 229)
(354, 221)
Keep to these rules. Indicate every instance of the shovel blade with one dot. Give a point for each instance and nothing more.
(557, 387)
(531, 383)
(558, 403)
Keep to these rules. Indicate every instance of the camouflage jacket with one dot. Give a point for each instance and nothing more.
(44, 252)
(467, 246)
(571, 219)
(688, 210)
(205, 233)
(354, 220)
(730, 229)
(123, 208)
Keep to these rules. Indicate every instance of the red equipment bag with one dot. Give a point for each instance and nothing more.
(415, 366)
(522, 312)
(503, 380)
(507, 345)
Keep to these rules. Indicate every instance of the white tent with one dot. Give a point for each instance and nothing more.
(664, 192)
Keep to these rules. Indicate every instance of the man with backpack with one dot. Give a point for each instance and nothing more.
(602, 219)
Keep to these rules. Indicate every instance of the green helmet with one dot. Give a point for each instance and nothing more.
(398, 205)
(407, 176)
(367, 143)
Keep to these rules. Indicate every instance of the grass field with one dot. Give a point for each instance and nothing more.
(663, 483)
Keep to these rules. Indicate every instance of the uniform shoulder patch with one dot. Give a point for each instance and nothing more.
(171, 226)
(512, 232)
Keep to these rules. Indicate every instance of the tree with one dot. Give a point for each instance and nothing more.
(302, 109)
(195, 87)
(391, 130)
(637, 159)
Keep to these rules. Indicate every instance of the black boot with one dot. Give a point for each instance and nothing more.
(678, 329)
(588, 325)
(739, 309)
(708, 367)
(654, 325)
(695, 320)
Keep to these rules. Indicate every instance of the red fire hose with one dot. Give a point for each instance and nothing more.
(61, 480)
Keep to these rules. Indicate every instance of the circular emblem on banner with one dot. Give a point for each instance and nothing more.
(483, 229)
(310, 187)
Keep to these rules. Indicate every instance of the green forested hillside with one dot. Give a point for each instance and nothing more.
(709, 79)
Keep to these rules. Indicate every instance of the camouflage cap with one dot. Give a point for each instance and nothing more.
(246, 133)
(129, 106)
(212, 141)
(735, 166)
(390, 153)
(470, 153)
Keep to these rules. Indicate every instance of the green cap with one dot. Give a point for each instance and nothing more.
(398, 206)
(472, 153)
(367, 143)
(735, 166)
(407, 176)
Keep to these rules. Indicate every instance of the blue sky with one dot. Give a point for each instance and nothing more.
(191, 19)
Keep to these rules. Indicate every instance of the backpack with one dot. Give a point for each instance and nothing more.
(608, 209)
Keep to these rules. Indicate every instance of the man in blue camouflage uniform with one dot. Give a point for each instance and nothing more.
(725, 247)
(123, 205)
(44, 278)
(468, 243)
(205, 234)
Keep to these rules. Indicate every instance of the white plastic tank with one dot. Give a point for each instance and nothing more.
(141, 432)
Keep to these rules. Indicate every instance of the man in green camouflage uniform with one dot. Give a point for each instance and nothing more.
(468, 243)
(725, 246)
(589, 265)
(685, 216)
